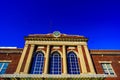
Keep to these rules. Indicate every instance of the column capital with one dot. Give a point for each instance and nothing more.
(32, 45)
(26, 45)
(85, 45)
(79, 46)
(48, 45)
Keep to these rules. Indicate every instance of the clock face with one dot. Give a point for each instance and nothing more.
(56, 34)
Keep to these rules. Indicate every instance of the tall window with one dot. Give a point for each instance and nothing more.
(72, 61)
(37, 64)
(55, 63)
(3, 67)
(108, 69)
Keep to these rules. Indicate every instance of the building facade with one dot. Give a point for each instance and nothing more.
(58, 56)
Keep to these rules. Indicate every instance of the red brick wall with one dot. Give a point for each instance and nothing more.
(115, 65)
(14, 57)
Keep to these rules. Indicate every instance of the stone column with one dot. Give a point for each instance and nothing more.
(21, 58)
(64, 60)
(89, 59)
(82, 61)
(46, 60)
(27, 64)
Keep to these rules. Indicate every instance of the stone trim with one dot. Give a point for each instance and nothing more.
(53, 76)
(57, 51)
(10, 51)
(55, 43)
(71, 47)
(112, 53)
(105, 61)
(76, 53)
(89, 60)
(82, 60)
(29, 59)
(64, 60)
(97, 51)
(5, 60)
(21, 59)
(46, 65)
(56, 39)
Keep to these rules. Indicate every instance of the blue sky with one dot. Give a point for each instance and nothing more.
(98, 20)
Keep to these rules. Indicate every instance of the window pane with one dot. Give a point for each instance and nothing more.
(107, 68)
(73, 66)
(3, 67)
(1, 64)
(55, 63)
(37, 63)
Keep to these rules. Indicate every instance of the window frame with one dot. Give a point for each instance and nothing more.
(108, 68)
(70, 65)
(36, 61)
(3, 66)
(55, 58)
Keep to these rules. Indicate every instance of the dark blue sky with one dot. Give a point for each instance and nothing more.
(98, 20)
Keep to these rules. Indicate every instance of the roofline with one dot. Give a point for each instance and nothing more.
(6, 50)
(102, 51)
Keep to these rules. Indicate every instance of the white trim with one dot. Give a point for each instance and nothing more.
(56, 47)
(105, 61)
(71, 47)
(40, 47)
(5, 60)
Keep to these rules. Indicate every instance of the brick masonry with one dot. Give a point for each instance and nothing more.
(114, 58)
(15, 54)
(14, 57)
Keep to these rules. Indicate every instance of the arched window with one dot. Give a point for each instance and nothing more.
(37, 63)
(72, 63)
(55, 63)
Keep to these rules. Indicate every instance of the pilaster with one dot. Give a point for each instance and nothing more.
(89, 59)
(27, 64)
(47, 60)
(64, 60)
(21, 59)
(82, 61)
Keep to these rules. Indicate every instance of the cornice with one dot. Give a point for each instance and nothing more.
(56, 39)
(11, 51)
(112, 52)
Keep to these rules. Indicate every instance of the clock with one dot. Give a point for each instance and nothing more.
(56, 34)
